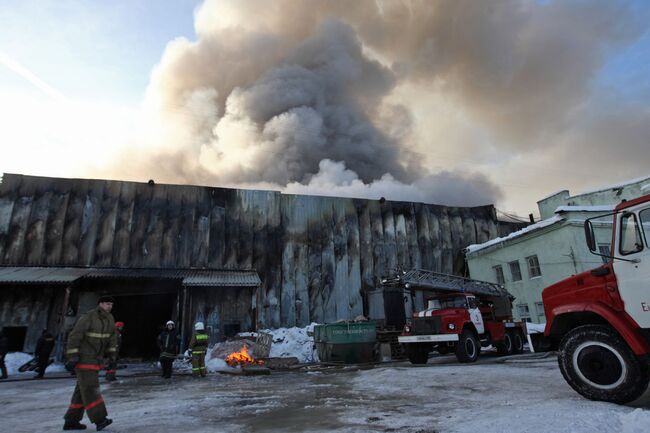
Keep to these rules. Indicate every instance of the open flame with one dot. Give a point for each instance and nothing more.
(242, 358)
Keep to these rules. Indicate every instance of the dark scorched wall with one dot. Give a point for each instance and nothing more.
(313, 254)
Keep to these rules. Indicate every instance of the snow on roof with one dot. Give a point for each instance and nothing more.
(645, 187)
(554, 194)
(620, 185)
(600, 208)
(528, 229)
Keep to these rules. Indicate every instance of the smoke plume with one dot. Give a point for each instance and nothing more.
(308, 97)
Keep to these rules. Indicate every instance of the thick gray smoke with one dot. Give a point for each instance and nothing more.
(303, 96)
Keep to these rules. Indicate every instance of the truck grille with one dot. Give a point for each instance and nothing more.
(426, 325)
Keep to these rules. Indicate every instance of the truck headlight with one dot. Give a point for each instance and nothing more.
(407, 329)
(451, 326)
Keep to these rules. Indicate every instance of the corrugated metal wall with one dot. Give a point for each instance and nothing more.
(313, 254)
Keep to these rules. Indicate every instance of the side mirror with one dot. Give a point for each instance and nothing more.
(589, 236)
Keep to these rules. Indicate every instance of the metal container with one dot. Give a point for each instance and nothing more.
(346, 342)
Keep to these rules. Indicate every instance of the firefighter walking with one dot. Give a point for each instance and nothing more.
(198, 347)
(92, 338)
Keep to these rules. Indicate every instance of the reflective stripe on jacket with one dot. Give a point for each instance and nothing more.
(199, 342)
(93, 337)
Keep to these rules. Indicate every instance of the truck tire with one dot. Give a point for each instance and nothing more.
(418, 353)
(505, 346)
(599, 365)
(468, 347)
(517, 342)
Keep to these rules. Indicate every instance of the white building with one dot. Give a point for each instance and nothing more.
(529, 260)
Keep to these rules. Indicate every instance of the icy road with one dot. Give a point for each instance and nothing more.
(519, 395)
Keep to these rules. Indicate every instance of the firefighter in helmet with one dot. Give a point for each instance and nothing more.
(198, 347)
(92, 338)
(168, 345)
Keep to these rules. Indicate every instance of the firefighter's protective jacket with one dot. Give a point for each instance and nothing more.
(199, 342)
(168, 343)
(93, 337)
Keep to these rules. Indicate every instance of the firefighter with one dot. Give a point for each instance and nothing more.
(4, 348)
(198, 347)
(44, 347)
(168, 345)
(92, 338)
(112, 368)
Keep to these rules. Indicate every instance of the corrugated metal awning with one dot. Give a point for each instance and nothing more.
(222, 278)
(187, 277)
(39, 275)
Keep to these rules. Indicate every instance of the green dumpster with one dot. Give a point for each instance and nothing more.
(346, 342)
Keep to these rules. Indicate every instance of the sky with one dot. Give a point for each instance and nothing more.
(460, 103)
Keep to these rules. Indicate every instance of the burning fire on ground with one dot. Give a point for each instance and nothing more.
(242, 358)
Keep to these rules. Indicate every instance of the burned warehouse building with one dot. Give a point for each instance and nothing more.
(239, 260)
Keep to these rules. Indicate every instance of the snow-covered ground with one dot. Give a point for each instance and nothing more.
(517, 394)
(523, 393)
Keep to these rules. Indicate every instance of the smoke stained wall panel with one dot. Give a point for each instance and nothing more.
(314, 255)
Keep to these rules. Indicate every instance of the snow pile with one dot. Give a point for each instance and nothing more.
(15, 359)
(287, 342)
(637, 421)
(535, 328)
(216, 364)
(293, 342)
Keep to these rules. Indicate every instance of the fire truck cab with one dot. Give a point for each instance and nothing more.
(459, 321)
(599, 320)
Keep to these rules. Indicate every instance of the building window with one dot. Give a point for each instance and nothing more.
(605, 250)
(539, 309)
(523, 311)
(533, 267)
(498, 273)
(515, 270)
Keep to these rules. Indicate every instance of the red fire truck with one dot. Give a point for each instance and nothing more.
(599, 320)
(462, 315)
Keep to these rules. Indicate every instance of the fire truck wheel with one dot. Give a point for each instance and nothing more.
(505, 347)
(468, 347)
(418, 353)
(517, 342)
(599, 365)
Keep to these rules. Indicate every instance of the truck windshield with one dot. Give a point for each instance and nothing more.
(452, 302)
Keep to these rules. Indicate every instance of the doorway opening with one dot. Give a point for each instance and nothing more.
(16, 336)
(144, 317)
